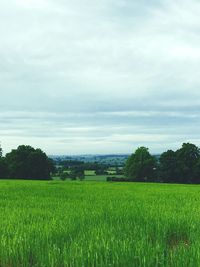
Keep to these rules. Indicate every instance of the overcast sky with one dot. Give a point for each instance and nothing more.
(99, 76)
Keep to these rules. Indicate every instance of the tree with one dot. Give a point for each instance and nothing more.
(188, 157)
(25, 162)
(3, 168)
(77, 173)
(182, 166)
(168, 171)
(64, 176)
(1, 151)
(141, 166)
(196, 178)
(3, 165)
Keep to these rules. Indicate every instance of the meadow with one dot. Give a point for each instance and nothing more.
(57, 224)
(90, 175)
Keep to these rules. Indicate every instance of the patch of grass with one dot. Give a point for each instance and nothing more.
(90, 173)
(96, 178)
(72, 224)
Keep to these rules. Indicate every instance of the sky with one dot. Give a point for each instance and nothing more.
(99, 76)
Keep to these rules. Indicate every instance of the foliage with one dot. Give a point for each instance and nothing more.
(70, 163)
(181, 166)
(77, 173)
(106, 160)
(64, 176)
(141, 166)
(187, 158)
(25, 162)
(3, 168)
(116, 179)
(168, 167)
(1, 151)
(3, 165)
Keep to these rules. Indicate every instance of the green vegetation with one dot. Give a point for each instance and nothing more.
(141, 166)
(90, 172)
(108, 160)
(181, 166)
(72, 224)
(96, 178)
(58, 224)
(25, 162)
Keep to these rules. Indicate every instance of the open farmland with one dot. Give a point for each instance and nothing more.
(99, 178)
(73, 224)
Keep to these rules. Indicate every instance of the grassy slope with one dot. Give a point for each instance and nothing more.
(73, 224)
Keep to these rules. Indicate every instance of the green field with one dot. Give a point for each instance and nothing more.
(89, 172)
(96, 178)
(57, 224)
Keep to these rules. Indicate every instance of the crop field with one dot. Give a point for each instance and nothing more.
(57, 224)
(89, 172)
(99, 178)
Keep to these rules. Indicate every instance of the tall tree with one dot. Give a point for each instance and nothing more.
(3, 166)
(25, 162)
(168, 171)
(1, 151)
(141, 166)
(188, 157)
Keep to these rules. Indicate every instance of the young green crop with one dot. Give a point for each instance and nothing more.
(72, 224)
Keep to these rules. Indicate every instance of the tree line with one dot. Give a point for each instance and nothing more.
(25, 162)
(180, 166)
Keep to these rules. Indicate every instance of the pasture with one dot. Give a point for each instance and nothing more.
(98, 178)
(58, 224)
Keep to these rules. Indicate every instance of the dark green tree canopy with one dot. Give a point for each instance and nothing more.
(141, 165)
(181, 166)
(25, 162)
(187, 158)
(1, 151)
(3, 168)
(3, 165)
(168, 167)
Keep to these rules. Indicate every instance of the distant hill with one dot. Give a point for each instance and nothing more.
(112, 159)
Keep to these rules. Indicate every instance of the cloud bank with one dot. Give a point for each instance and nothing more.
(95, 76)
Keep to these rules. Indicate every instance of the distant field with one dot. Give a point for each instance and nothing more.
(96, 177)
(89, 172)
(90, 175)
(100, 177)
(58, 224)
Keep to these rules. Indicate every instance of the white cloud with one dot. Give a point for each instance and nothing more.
(32, 3)
(78, 67)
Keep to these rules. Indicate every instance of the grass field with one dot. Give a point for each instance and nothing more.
(98, 178)
(89, 172)
(57, 224)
